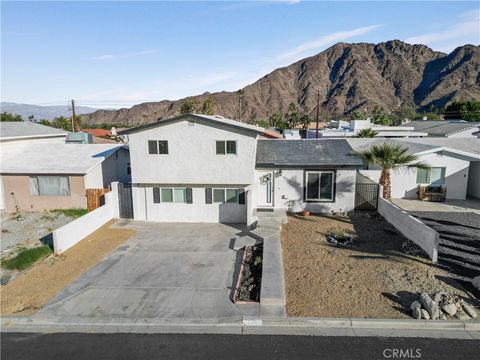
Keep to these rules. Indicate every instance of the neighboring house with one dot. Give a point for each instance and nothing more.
(352, 128)
(454, 162)
(199, 168)
(446, 128)
(44, 176)
(29, 132)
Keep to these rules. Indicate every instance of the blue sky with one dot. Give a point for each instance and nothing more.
(112, 54)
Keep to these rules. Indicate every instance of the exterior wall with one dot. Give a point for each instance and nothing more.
(113, 168)
(2, 195)
(289, 192)
(145, 209)
(404, 181)
(20, 186)
(191, 158)
(473, 188)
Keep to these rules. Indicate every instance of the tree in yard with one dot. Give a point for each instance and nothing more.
(275, 120)
(208, 106)
(388, 156)
(263, 123)
(188, 106)
(357, 115)
(292, 117)
(468, 110)
(305, 121)
(366, 133)
(5, 116)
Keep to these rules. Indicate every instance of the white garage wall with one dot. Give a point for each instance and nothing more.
(473, 188)
(289, 187)
(145, 209)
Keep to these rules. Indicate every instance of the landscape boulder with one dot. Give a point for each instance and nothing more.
(429, 305)
(415, 305)
(476, 282)
(450, 309)
(469, 310)
(425, 314)
(417, 313)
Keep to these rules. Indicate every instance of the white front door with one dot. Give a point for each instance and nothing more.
(265, 189)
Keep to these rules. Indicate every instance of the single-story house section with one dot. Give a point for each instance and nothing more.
(315, 175)
(445, 128)
(47, 176)
(26, 131)
(198, 168)
(454, 164)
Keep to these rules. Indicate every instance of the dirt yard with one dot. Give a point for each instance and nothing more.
(31, 290)
(370, 278)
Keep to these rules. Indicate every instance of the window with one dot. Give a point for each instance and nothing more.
(50, 186)
(319, 185)
(172, 195)
(431, 176)
(226, 147)
(158, 147)
(229, 196)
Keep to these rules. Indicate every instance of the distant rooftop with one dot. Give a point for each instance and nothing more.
(441, 127)
(54, 158)
(27, 129)
(305, 153)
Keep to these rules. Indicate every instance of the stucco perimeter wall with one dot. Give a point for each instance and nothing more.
(410, 227)
(22, 197)
(289, 192)
(199, 211)
(70, 234)
(474, 179)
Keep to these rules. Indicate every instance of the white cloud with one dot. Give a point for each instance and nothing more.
(124, 56)
(465, 29)
(321, 42)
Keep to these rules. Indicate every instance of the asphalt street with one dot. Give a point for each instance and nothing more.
(74, 346)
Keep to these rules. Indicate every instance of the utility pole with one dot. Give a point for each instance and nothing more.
(318, 114)
(73, 115)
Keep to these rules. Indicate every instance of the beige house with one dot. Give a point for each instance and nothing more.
(45, 176)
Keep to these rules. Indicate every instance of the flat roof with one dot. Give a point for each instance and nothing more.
(52, 158)
(441, 127)
(25, 129)
(305, 153)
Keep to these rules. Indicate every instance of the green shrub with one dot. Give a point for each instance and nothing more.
(27, 258)
(73, 213)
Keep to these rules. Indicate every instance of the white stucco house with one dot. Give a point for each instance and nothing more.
(198, 168)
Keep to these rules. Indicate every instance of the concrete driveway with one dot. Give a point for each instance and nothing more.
(166, 272)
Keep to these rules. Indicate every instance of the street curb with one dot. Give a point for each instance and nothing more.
(267, 326)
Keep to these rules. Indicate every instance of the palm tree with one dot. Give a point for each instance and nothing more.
(366, 133)
(389, 157)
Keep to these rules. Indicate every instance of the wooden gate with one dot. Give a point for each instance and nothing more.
(125, 201)
(95, 198)
(366, 196)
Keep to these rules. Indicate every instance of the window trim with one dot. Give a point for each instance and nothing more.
(334, 185)
(225, 144)
(158, 148)
(429, 174)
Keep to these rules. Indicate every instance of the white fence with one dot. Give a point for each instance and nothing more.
(410, 227)
(70, 234)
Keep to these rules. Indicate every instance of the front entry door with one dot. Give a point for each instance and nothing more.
(265, 189)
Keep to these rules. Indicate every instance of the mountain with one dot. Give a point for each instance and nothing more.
(42, 112)
(349, 77)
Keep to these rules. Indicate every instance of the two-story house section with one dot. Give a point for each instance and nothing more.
(193, 168)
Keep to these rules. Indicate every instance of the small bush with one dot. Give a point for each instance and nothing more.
(27, 258)
(73, 213)
(339, 236)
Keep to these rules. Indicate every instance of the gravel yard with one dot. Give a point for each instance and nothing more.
(370, 278)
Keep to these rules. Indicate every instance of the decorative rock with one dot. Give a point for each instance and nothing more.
(415, 305)
(417, 313)
(429, 305)
(470, 310)
(450, 309)
(438, 296)
(476, 282)
(425, 314)
(462, 316)
(442, 317)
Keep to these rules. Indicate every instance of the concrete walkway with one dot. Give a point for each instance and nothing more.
(413, 205)
(165, 273)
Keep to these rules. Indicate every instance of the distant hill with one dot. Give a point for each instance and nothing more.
(42, 112)
(349, 77)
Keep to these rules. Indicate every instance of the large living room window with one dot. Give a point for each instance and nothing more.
(49, 186)
(158, 147)
(319, 185)
(226, 147)
(431, 176)
(172, 195)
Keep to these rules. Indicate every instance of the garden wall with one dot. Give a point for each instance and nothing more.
(410, 227)
(70, 234)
